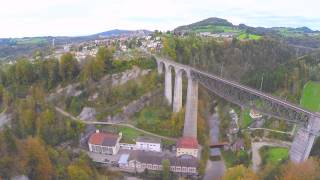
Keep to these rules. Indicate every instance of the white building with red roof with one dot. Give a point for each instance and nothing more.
(104, 143)
(187, 146)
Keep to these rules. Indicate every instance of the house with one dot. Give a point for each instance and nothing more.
(255, 115)
(148, 144)
(141, 160)
(237, 145)
(187, 146)
(127, 146)
(104, 143)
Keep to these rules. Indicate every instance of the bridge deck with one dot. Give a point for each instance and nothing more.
(258, 93)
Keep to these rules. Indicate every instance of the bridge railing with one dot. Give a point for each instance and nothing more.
(246, 96)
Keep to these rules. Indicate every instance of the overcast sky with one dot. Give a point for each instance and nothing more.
(21, 18)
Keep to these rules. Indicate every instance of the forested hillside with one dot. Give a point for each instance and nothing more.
(37, 140)
(248, 62)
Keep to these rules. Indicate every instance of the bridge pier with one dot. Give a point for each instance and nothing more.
(177, 96)
(190, 121)
(160, 67)
(168, 84)
(242, 96)
(303, 141)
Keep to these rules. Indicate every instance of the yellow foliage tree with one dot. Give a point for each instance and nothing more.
(35, 159)
(308, 170)
(240, 173)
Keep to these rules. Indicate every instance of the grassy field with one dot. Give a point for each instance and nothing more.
(311, 96)
(249, 36)
(35, 40)
(246, 119)
(215, 29)
(273, 155)
(229, 158)
(287, 33)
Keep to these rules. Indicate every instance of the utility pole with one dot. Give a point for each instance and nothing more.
(261, 82)
(221, 70)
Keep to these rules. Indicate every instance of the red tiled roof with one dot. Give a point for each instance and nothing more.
(187, 142)
(103, 139)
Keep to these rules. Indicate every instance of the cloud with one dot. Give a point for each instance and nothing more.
(80, 17)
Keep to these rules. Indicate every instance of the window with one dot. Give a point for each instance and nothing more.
(184, 169)
(178, 169)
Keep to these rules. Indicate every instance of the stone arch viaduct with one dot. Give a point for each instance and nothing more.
(308, 122)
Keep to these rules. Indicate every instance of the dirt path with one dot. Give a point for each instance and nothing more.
(64, 113)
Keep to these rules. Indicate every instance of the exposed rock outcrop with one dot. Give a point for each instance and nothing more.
(123, 77)
(132, 108)
(88, 114)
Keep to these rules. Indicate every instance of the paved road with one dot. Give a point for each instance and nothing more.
(256, 159)
(61, 111)
(214, 169)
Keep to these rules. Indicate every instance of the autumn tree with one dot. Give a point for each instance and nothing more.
(240, 173)
(93, 69)
(35, 159)
(81, 170)
(104, 55)
(177, 122)
(10, 140)
(69, 67)
(166, 169)
(23, 70)
(169, 47)
(308, 170)
(49, 72)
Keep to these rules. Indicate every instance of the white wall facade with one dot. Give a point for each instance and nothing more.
(128, 146)
(111, 150)
(140, 167)
(147, 146)
(187, 151)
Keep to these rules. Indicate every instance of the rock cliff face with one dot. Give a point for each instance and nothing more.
(123, 77)
(88, 114)
(4, 119)
(114, 80)
(133, 107)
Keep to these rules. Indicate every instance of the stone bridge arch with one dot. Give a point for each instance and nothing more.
(243, 96)
(175, 98)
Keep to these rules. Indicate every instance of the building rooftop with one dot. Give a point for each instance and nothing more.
(187, 142)
(123, 159)
(150, 157)
(103, 139)
(148, 139)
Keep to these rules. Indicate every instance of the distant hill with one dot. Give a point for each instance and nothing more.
(210, 24)
(118, 32)
(301, 36)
